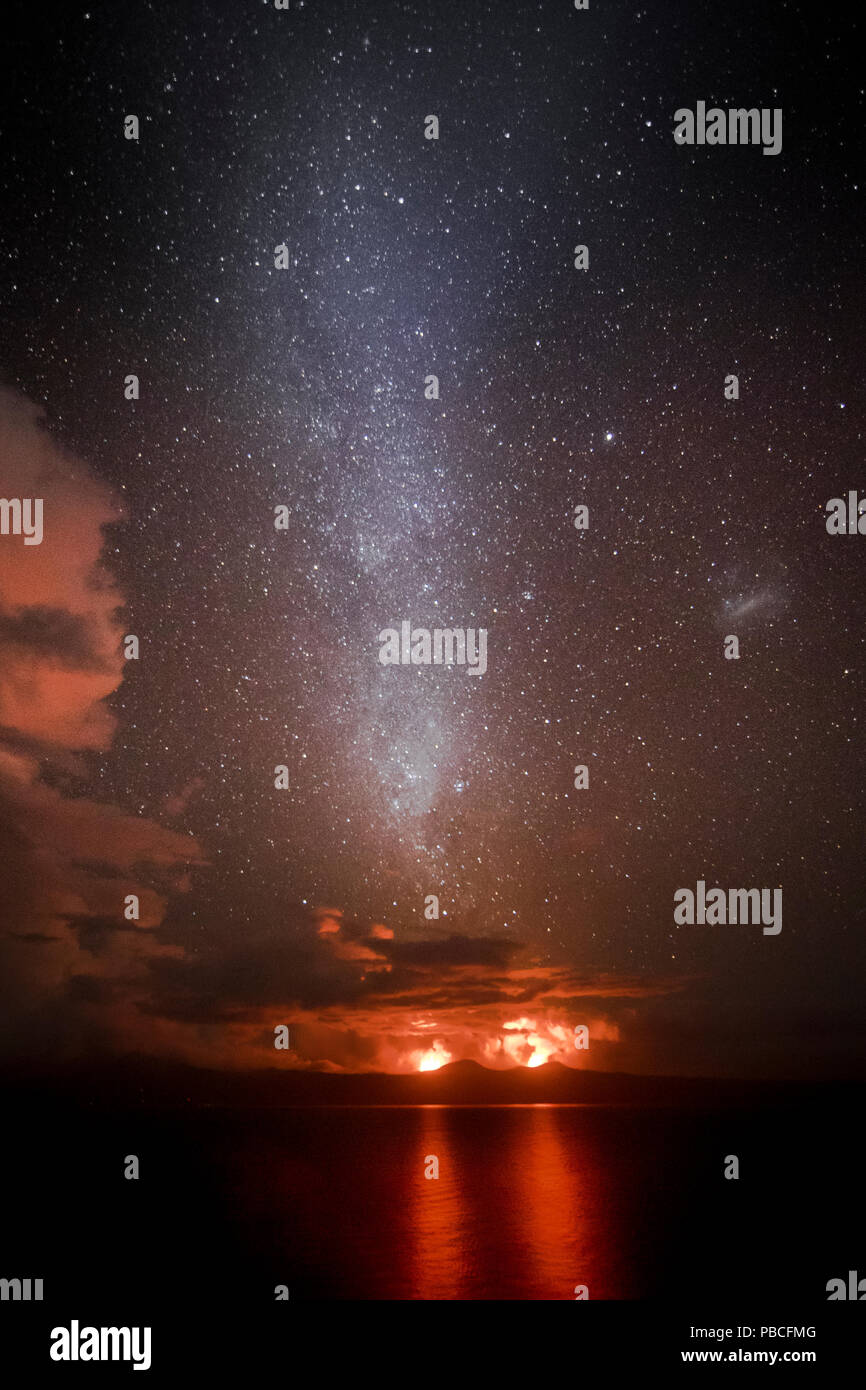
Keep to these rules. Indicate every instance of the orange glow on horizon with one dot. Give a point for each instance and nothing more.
(532, 1042)
(521, 1042)
(432, 1058)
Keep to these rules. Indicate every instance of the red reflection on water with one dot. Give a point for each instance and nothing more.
(554, 1188)
(516, 1212)
(437, 1214)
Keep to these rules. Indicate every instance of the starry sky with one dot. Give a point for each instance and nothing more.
(304, 387)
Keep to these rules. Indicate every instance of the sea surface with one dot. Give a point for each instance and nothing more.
(530, 1203)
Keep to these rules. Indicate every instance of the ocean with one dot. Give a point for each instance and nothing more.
(531, 1202)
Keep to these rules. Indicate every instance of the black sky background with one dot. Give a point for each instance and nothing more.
(305, 387)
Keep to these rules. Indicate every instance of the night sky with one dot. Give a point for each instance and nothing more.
(305, 387)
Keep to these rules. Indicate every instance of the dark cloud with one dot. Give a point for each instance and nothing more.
(357, 996)
(89, 989)
(94, 933)
(64, 639)
(494, 952)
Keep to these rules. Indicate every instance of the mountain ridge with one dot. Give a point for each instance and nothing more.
(135, 1081)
